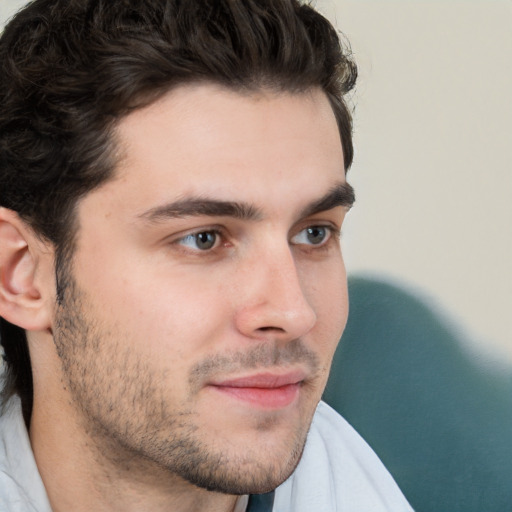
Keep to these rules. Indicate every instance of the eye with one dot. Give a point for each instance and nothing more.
(201, 241)
(313, 235)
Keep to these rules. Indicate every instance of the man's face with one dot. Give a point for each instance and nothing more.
(207, 290)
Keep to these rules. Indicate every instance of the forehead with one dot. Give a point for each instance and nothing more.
(206, 139)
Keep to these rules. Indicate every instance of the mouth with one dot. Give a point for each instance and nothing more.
(263, 390)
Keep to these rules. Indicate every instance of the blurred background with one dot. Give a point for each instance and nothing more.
(433, 165)
(424, 369)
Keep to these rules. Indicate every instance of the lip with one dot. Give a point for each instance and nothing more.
(263, 390)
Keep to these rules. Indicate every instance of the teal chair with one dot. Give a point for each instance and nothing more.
(439, 420)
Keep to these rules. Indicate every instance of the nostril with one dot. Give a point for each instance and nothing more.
(265, 329)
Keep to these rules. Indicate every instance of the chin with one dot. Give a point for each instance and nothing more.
(246, 478)
(242, 468)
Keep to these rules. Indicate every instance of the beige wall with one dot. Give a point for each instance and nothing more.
(8, 7)
(433, 169)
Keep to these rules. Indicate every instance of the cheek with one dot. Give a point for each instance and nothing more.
(172, 312)
(328, 296)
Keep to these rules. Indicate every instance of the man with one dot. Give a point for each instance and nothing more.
(172, 286)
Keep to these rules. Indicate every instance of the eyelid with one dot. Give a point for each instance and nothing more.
(193, 237)
(333, 218)
(334, 233)
(225, 236)
(177, 239)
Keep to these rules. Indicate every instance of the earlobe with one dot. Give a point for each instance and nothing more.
(22, 295)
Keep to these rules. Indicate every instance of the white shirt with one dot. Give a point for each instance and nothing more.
(338, 471)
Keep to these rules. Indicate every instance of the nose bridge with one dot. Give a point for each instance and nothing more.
(283, 277)
(276, 300)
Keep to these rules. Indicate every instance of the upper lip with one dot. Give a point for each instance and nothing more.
(264, 380)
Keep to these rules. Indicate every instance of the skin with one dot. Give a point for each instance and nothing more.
(128, 412)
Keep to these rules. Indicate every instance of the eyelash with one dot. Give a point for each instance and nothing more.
(213, 231)
(332, 234)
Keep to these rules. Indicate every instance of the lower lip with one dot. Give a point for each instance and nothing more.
(266, 398)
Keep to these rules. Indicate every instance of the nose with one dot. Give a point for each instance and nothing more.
(274, 303)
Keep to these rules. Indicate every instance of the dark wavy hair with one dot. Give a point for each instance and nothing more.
(71, 69)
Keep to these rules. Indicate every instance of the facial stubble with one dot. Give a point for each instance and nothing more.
(133, 422)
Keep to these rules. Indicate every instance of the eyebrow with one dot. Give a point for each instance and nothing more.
(198, 206)
(340, 195)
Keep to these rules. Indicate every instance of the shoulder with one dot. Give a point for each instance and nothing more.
(338, 471)
(21, 489)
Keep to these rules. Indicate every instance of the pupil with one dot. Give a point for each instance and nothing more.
(205, 240)
(316, 235)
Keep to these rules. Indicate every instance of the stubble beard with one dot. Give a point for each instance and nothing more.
(134, 425)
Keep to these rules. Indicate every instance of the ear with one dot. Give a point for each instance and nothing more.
(26, 274)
